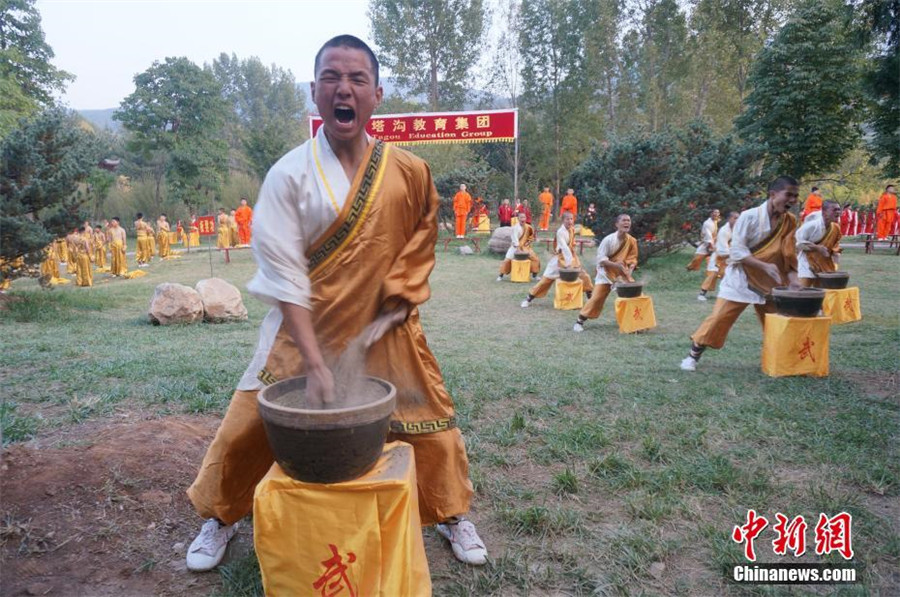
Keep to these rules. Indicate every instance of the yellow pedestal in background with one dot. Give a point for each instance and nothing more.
(842, 305)
(635, 314)
(569, 295)
(795, 345)
(362, 536)
(521, 271)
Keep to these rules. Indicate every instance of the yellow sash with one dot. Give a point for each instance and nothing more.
(778, 249)
(817, 262)
(626, 254)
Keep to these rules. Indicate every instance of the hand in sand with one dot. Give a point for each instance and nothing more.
(772, 271)
(320, 385)
(384, 323)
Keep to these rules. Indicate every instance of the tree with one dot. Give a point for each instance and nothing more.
(668, 182)
(27, 78)
(268, 109)
(880, 35)
(429, 45)
(175, 117)
(663, 62)
(43, 166)
(804, 106)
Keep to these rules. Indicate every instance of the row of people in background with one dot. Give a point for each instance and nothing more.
(882, 222)
(235, 228)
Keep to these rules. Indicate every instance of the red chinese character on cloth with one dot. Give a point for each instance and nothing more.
(483, 122)
(419, 124)
(806, 350)
(748, 532)
(833, 534)
(848, 304)
(790, 536)
(462, 123)
(378, 126)
(568, 296)
(399, 126)
(637, 314)
(440, 124)
(334, 579)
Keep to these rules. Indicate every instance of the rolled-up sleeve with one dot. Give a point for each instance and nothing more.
(742, 228)
(278, 243)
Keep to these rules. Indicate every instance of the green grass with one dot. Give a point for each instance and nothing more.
(593, 456)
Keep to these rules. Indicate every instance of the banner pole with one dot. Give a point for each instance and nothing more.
(516, 158)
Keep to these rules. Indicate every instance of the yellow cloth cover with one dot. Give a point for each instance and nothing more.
(586, 232)
(521, 271)
(361, 537)
(842, 305)
(635, 314)
(569, 295)
(194, 239)
(484, 224)
(795, 345)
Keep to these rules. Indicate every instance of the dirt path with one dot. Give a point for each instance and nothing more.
(101, 510)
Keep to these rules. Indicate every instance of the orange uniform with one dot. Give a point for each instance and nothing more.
(462, 204)
(546, 199)
(886, 213)
(243, 216)
(813, 203)
(569, 204)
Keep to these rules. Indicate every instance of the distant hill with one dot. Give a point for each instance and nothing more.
(102, 119)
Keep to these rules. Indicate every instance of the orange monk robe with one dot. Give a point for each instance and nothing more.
(384, 263)
(243, 216)
(546, 199)
(570, 205)
(886, 213)
(462, 204)
(813, 203)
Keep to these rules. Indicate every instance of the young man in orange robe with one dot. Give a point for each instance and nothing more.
(569, 204)
(813, 203)
(462, 205)
(886, 212)
(353, 262)
(546, 200)
(243, 215)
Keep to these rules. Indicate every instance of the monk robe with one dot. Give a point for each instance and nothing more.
(144, 250)
(50, 265)
(152, 245)
(618, 250)
(886, 213)
(772, 242)
(194, 237)
(366, 249)
(569, 204)
(522, 240)
(813, 203)
(83, 275)
(162, 238)
(462, 203)
(182, 237)
(243, 216)
(564, 256)
(72, 262)
(716, 267)
(810, 261)
(234, 239)
(6, 270)
(62, 250)
(707, 244)
(99, 249)
(118, 263)
(546, 200)
(223, 240)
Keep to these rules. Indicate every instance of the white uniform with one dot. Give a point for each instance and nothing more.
(608, 246)
(300, 198)
(517, 232)
(812, 232)
(562, 244)
(707, 237)
(751, 228)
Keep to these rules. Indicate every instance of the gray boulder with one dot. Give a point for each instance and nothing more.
(175, 303)
(222, 301)
(500, 240)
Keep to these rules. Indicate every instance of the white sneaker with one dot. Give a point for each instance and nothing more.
(525, 304)
(701, 297)
(688, 364)
(208, 549)
(577, 327)
(467, 545)
(499, 278)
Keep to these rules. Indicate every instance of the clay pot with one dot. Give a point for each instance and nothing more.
(833, 279)
(325, 445)
(521, 256)
(569, 274)
(629, 289)
(806, 302)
